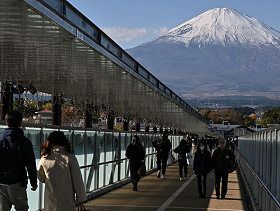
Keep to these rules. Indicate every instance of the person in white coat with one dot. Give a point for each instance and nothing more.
(60, 171)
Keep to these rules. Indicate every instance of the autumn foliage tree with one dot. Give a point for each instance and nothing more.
(220, 115)
(71, 115)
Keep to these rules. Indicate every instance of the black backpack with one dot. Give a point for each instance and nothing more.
(158, 144)
(11, 162)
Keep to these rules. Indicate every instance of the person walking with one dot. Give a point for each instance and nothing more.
(202, 167)
(60, 171)
(16, 155)
(162, 146)
(220, 165)
(136, 155)
(182, 149)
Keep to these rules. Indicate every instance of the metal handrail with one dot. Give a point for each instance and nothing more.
(275, 201)
(112, 161)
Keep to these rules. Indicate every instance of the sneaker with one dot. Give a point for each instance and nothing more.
(158, 174)
(217, 197)
(186, 177)
(223, 197)
(163, 176)
(181, 178)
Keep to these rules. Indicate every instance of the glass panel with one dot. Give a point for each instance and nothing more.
(109, 157)
(34, 135)
(79, 146)
(116, 157)
(2, 128)
(91, 159)
(69, 136)
(100, 158)
(46, 132)
(123, 150)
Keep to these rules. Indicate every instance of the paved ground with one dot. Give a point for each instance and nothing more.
(171, 194)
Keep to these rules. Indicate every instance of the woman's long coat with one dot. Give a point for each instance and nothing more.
(61, 174)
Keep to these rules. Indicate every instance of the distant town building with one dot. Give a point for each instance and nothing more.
(43, 117)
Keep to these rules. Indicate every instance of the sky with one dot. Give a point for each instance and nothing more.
(133, 22)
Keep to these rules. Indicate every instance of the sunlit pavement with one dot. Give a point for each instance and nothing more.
(171, 194)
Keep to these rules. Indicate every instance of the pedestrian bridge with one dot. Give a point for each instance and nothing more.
(49, 46)
(105, 171)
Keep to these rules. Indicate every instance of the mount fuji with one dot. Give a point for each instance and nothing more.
(220, 53)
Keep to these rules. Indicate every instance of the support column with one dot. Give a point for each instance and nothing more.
(6, 99)
(155, 129)
(88, 116)
(125, 125)
(147, 128)
(110, 120)
(137, 126)
(56, 109)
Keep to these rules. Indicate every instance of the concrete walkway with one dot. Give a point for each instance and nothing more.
(171, 194)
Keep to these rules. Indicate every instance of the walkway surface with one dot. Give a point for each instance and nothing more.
(171, 194)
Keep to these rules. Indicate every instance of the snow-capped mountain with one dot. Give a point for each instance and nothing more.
(223, 26)
(220, 52)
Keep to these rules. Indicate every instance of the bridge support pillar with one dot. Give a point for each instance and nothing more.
(6, 99)
(56, 109)
(125, 125)
(88, 116)
(155, 129)
(137, 126)
(110, 120)
(147, 128)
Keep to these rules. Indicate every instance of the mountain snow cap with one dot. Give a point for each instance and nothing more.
(223, 26)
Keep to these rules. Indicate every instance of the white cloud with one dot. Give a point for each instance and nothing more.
(160, 31)
(119, 34)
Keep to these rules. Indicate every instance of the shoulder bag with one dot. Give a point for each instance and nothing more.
(142, 170)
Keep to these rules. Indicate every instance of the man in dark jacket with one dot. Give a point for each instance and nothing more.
(220, 165)
(16, 155)
(163, 146)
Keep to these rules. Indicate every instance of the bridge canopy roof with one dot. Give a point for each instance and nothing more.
(53, 47)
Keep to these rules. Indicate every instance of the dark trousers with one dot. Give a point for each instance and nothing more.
(183, 164)
(161, 161)
(201, 183)
(218, 177)
(135, 177)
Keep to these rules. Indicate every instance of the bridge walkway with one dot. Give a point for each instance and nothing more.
(171, 194)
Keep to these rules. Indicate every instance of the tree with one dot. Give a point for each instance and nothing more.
(271, 116)
(220, 115)
(26, 106)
